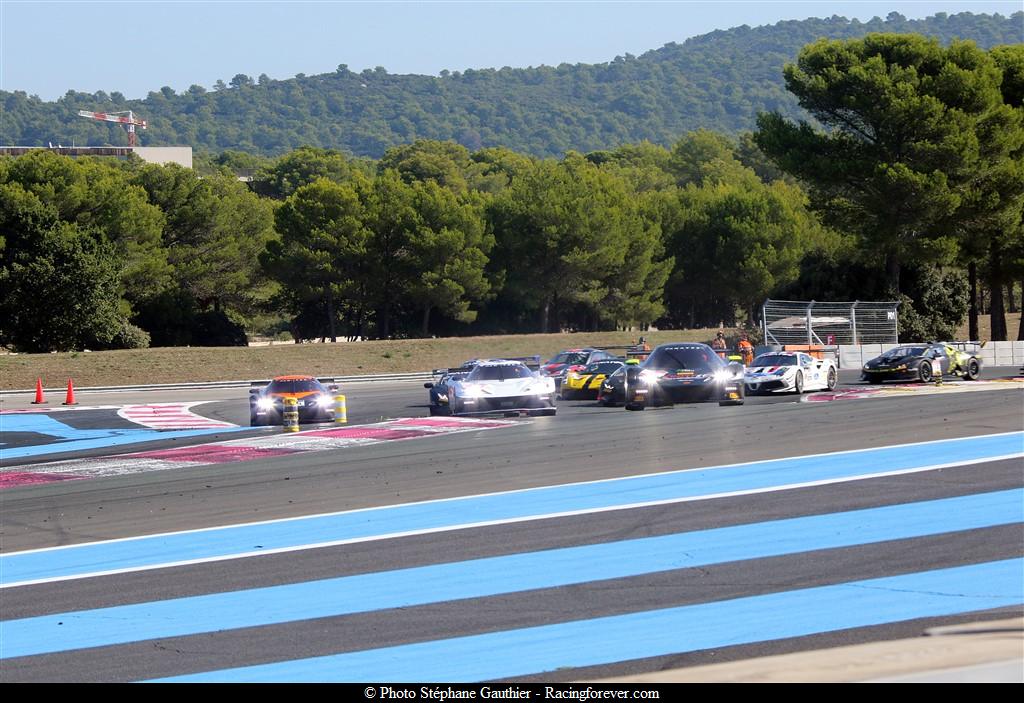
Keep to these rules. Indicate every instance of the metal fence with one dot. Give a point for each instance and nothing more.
(803, 322)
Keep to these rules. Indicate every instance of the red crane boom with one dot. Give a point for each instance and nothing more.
(126, 118)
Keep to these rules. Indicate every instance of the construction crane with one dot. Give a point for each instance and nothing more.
(129, 122)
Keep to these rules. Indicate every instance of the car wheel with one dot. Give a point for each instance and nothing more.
(831, 380)
(435, 410)
(798, 384)
(549, 411)
(973, 370)
(924, 372)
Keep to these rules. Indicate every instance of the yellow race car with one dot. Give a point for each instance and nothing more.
(586, 383)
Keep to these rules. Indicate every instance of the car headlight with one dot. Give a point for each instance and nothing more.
(471, 392)
(265, 403)
(779, 372)
(722, 375)
(324, 401)
(901, 367)
(650, 376)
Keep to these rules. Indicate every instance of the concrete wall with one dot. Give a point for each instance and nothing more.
(853, 356)
(181, 155)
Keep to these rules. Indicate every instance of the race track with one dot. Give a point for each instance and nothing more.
(596, 543)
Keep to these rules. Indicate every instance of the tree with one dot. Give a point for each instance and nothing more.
(563, 233)
(445, 163)
(734, 243)
(60, 288)
(907, 119)
(215, 230)
(302, 167)
(321, 254)
(99, 198)
(448, 249)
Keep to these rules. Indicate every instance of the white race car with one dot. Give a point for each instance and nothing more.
(793, 372)
(501, 385)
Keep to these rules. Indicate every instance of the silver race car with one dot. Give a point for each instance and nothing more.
(790, 372)
(501, 385)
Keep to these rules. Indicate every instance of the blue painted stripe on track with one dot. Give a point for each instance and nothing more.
(491, 576)
(109, 438)
(654, 633)
(223, 542)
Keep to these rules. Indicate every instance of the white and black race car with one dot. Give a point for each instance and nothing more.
(790, 372)
(501, 385)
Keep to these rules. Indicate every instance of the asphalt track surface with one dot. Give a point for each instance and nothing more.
(594, 549)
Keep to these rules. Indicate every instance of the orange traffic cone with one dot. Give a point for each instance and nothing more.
(71, 394)
(39, 393)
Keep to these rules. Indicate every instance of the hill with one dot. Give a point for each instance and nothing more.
(718, 81)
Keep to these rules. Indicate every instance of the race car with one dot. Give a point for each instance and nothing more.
(585, 384)
(315, 399)
(684, 372)
(916, 362)
(440, 387)
(790, 372)
(501, 385)
(613, 388)
(572, 360)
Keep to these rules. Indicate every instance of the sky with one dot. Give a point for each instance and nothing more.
(137, 46)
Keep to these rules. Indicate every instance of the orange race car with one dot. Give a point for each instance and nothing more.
(315, 399)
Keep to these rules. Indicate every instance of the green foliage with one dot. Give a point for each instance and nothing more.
(564, 231)
(302, 167)
(321, 255)
(60, 292)
(98, 197)
(734, 243)
(717, 81)
(905, 146)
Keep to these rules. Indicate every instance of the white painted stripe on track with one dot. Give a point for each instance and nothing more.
(466, 526)
(562, 485)
(163, 415)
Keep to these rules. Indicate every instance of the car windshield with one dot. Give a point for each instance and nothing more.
(775, 360)
(295, 386)
(499, 372)
(570, 358)
(605, 367)
(694, 358)
(905, 351)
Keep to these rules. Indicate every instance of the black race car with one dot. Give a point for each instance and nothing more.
(684, 372)
(441, 386)
(314, 399)
(917, 362)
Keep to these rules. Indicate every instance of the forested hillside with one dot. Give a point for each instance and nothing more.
(718, 81)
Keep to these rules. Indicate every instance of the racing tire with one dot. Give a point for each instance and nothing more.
(634, 406)
(831, 380)
(924, 372)
(435, 410)
(973, 370)
(548, 412)
(257, 422)
(798, 383)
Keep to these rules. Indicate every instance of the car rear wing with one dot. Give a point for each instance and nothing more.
(531, 362)
(256, 386)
